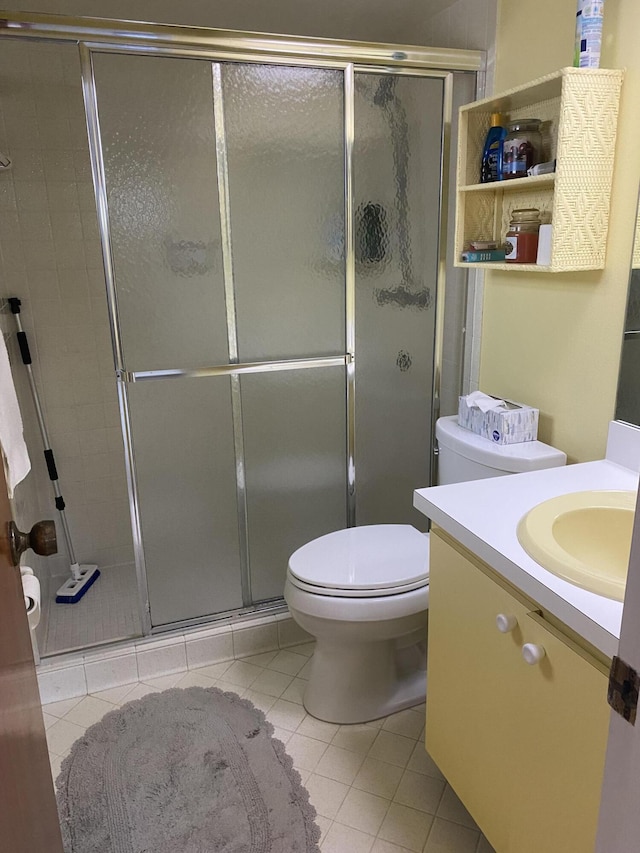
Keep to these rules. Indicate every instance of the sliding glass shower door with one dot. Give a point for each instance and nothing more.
(284, 130)
(272, 232)
(225, 191)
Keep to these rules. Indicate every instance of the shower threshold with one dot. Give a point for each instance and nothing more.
(109, 616)
(77, 673)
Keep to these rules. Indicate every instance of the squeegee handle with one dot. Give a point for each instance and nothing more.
(23, 343)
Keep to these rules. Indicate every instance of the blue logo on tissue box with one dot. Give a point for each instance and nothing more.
(496, 435)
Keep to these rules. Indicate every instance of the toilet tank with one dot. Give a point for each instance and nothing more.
(463, 455)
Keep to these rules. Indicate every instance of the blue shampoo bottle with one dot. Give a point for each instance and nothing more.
(491, 165)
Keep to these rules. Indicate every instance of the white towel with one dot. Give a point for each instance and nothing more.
(16, 458)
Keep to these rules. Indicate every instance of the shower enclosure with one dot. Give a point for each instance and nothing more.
(270, 224)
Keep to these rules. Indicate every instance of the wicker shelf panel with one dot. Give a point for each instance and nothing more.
(579, 110)
(513, 185)
(511, 267)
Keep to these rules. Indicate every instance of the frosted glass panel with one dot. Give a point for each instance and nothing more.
(295, 436)
(397, 161)
(185, 470)
(156, 121)
(284, 130)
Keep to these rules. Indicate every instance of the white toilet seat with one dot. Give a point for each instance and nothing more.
(354, 609)
(356, 593)
(376, 560)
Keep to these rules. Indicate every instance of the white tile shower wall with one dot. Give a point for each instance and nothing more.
(78, 673)
(50, 254)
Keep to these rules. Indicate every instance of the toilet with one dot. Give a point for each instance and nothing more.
(363, 592)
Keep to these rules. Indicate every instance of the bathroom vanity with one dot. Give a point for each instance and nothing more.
(522, 745)
(521, 741)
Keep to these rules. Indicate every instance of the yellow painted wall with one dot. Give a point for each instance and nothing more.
(553, 341)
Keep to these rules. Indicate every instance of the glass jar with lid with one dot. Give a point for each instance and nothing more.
(521, 241)
(522, 148)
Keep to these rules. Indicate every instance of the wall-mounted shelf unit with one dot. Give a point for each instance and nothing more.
(579, 112)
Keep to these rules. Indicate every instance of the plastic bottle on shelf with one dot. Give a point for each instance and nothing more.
(491, 164)
(589, 17)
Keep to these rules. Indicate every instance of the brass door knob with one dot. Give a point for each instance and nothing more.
(41, 538)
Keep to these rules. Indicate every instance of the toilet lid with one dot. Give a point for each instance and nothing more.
(378, 559)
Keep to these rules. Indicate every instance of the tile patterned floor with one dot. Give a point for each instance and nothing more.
(97, 618)
(374, 787)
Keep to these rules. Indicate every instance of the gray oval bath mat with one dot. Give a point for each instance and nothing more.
(184, 771)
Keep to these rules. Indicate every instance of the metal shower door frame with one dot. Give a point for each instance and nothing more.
(234, 369)
(100, 36)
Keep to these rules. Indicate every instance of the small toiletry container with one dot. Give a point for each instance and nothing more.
(491, 165)
(521, 240)
(589, 17)
(522, 148)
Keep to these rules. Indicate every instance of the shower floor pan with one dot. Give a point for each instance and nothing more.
(107, 613)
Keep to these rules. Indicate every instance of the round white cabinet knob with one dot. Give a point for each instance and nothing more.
(533, 653)
(506, 622)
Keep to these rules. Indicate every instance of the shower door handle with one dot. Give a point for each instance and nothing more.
(41, 538)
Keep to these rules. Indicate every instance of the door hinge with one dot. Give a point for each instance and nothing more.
(624, 686)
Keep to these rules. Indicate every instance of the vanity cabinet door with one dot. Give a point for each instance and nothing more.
(561, 739)
(471, 718)
(522, 745)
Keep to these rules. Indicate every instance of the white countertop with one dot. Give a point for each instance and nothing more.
(483, 516)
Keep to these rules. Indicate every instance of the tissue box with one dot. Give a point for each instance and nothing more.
(511, 423)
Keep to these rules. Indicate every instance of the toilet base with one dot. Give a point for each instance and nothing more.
(364, 682)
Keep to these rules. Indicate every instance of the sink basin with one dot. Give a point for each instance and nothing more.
(583, 537)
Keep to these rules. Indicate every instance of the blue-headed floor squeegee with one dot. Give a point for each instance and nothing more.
(82, 576)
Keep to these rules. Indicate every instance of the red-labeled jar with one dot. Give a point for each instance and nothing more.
(521, 241)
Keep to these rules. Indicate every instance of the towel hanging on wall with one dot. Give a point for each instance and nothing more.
(14, 450)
